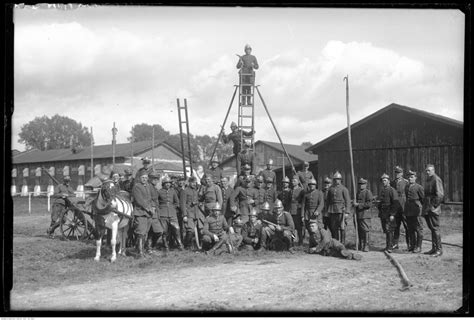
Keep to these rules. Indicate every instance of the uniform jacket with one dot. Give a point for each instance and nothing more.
(270, 196)
(235, 138)
(260, 196)
(127, 185)
(189, 202)
(339, 200)
(251, 231)
(325, 192)
(284, 220)
(242, 196)
(215, 225)
(364, 200)
(247, 157)
(388, 205)
(63, 189)
(399, 185)
(226, 194)
(313, 202)
(168, 201)
(434, 194)
(268, 174)
(322, 241)
(304, 177)
(285, 197)
(142, 199)
(415, 195)
(215, 173)
(245, 63)
(211, 195)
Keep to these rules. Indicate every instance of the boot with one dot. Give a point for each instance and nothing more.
(187, 240)
(365, 247)
(343, 237)
(410, 241)
(419, 241)
(433, 248)
(439, 250)
(388, 241)
(166, 246)
(395, 243)
(141, 254)
(148, 245)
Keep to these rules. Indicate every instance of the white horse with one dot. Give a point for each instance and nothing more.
(110, 211)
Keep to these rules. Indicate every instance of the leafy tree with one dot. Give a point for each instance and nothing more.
(58, 132)
(144, 132)
(306, 144)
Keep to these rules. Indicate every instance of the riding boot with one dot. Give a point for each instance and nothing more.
(188, 238)
(166, 246)
(343, 237)
(395, 243)
(419, 241)
(409, 239)
(148, 245)
(388, 241)
(366, 242)
(141, 254)
(439, 249)
(177, 236)
(433, 244)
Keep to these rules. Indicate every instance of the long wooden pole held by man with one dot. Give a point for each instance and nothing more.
(346, 79)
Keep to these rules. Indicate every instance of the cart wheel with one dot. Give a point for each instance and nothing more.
(74, 226)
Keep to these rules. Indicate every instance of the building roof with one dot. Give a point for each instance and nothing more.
(435, 117)
(99, 152)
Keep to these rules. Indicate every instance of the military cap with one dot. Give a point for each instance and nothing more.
(217, 207)
(67, 178)
(411, 173)
(269, 180)
(306, 164)
(127, 172)
(266, 206)
(259, 179)
(153, 175)
(286, 180)
(166, 179)
(385, 176)
(233, 124)
(313, 221)
(337, 175)
(246, 167)
(398, 169)
(327, 180)
(362, 181)
(278, 204)
(146, 160)
(253, 213)
(270, 161)
(312, 181)
(192, 179)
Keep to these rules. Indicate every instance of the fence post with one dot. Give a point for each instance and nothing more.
(29, 202)
(49, 201)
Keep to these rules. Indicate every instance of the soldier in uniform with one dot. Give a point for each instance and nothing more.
(415, 195)
(279, 228)
(339, 204)
(312, 204)
(259, 187)
(285, 194)
(242, 200)
(192, 215)
(143, 209)
(210, 194)
(270, 193)
(215, 231)
(127, 183)
(399, 184)
(61, 194)
(321, 242)
(247, 157)
(269, 173)
(296, 199)
(155, 229)
(226, 194)
(168, 201)
(214, 171)
(362, 206)
(305, 175)
(247, 64)
(434, 194)
(235, 136)
(326, 218)
(388, 207)
(146, 163)
(115, 177)
(243, 176)
(252, 233)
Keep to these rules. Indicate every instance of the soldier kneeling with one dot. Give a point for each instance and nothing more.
(215, 232)
(320, 241)
(252, 233)
(279, 229)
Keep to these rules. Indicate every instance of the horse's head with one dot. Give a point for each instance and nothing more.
(108, 190)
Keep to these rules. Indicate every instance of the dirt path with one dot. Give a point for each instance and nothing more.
(306, 283)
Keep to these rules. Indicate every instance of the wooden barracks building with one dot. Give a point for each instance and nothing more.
(27, 175)
(396, 135)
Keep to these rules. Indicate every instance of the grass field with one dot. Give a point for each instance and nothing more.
(49, 267)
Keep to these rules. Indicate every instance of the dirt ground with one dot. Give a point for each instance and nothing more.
(50, 274)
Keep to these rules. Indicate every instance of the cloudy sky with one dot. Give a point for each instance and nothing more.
(124, 64)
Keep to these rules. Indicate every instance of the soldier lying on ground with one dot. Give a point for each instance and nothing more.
(320, 241)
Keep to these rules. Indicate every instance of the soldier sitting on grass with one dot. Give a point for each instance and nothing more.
(321, 242)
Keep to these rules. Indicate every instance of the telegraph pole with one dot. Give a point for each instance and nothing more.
(114, 133)
(152, 146)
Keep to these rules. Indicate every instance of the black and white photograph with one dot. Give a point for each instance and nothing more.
(236, 159)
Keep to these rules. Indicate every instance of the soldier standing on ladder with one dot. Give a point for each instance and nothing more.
(247, 63)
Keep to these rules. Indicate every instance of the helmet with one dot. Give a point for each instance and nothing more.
(312, 181)
(327, 180)
(411, 173)
(306, 164)
(217, 207)
(286, 180)
(278, 204)
(266, 206)
(253, 213)
(246, 167)
(247, 46)
(337, 175)
(233, 124)
(166, 179)
(385, 176)
(259, 179)
(398, 169)
(67, 178)
(270, 161)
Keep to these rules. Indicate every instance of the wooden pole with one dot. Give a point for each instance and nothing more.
(153, 147)
(114, 132)
(346, 79)
(92, 153)
(131, 147)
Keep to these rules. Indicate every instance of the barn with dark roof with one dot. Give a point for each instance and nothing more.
(397, 135)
